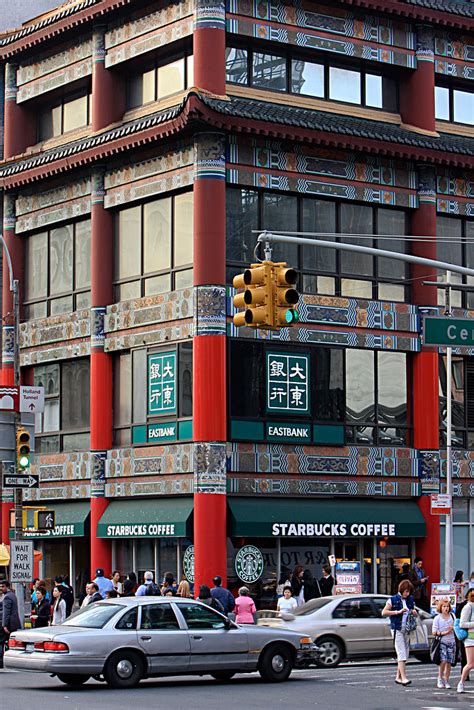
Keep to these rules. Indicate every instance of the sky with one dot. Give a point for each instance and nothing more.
(13, 14)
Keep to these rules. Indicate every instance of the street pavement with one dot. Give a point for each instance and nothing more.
(361, 686)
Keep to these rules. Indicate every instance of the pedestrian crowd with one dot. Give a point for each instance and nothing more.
(300, 586)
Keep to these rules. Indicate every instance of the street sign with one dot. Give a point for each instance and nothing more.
(9, 399)
(448, 331)
(162, 383)
(288, 383)
(13, 481)
(440, 504)
(21, 561)
(32, 399)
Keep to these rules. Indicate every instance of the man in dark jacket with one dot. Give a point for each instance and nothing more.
(10, 618)
(222, 595)
(326, 583)
(419, 579)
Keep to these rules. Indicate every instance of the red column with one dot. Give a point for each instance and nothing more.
(425, 364)
(15, 248)
(108, 87)
(209, 343)
(20, 124)
(101, 368)
(417, 93)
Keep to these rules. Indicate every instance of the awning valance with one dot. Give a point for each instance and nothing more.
(167, 517)
(71, 519)
(291, 517)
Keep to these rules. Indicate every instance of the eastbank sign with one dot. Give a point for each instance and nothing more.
(333, 529)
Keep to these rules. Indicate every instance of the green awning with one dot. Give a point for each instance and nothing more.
(356, 517)
(168, 517)
(70, 520)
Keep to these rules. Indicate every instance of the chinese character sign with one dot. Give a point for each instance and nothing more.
(162, 383)
(287, 383)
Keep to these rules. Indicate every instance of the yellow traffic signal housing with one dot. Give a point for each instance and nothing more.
(24, 518)
(23, 448)
(286, 296)
(257, 298)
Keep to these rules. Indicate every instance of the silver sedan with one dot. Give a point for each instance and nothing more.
(347, 627)
(125, 640)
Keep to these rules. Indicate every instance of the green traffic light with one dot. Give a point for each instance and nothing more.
(292, 316)
(24, 461)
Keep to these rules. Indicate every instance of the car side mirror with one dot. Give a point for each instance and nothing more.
(227, 624)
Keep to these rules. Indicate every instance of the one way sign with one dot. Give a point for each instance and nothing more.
(27, 481)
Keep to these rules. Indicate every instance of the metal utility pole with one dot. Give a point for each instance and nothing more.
(448, 542)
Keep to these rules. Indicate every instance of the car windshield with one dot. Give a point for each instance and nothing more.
(94, 616)
(312, 606)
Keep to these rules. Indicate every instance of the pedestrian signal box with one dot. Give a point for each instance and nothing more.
(44, 520)
(23, 449)
(267, 297)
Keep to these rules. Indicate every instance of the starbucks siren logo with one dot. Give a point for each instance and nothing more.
(188, 564)
(249, 564)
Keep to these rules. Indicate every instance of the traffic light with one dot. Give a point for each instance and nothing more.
(23, 449)
(257, 297)
(286, 296)
(44, 520)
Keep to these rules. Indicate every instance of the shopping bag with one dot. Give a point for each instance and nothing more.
(435, 650)
(419, 638)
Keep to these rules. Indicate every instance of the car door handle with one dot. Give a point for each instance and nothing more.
(145, 638)
(342, 626)
(197, 638)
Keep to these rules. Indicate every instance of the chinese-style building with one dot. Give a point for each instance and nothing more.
(143, 143)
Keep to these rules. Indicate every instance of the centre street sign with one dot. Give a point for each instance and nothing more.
(448, 331)
(14, 481)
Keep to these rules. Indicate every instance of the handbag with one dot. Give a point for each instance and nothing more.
(410, 622)
(435, 650)
(419, 638)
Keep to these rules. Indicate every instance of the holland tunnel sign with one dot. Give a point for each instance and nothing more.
(333, 529)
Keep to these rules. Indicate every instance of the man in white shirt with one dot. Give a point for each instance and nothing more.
(287, 602)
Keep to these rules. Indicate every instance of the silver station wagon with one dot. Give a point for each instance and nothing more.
(128, 639)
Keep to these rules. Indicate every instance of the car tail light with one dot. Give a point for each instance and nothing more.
(14, 643)
(39, 646)
(56, 647)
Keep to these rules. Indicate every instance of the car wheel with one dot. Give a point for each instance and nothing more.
(275, 664)
(223, 675)
(123, 670)
(73, 679)
(332, 652)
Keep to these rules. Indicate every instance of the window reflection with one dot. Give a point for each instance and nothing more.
(360, 386)
(236, 65)
(71, 113)
(463, 106)
(269, 71)
(344, 85)
(307, 78)
(442, 103)
(159, 81)
(373, 90)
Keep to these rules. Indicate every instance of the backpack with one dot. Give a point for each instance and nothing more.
(461, 634)
(152, 590)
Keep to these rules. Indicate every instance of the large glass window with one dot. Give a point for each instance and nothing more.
(163, 78)
(461, 383)
(455, 245)
(154, 247)
(324, 271)
(65, 115)
(454, 104)
(320, 79)
(64, 424)
(57, 270)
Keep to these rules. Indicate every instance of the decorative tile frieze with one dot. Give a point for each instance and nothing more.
(358, 313)
(62, 467)
(58, 493)
(210, 467)
(161, 308)
(41, 209)
(454, 55)
(210, 310)
(153, 336)
(37, 356)
(324, 28)
(56, 70)
(55, 329)
(209, 156)
(149, 461)
(97, 328)
(145, 31)
(166, 487)
(318, 487)
(455, 193)
(209, 14)
(170, 169)
(275, 165)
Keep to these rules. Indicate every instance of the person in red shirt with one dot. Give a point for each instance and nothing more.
(244, 607)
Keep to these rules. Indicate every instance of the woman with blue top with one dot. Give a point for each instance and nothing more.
(401, 611)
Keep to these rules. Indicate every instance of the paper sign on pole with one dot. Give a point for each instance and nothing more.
(348, 579)
(440, 504)
(21, 561)
(441, 590)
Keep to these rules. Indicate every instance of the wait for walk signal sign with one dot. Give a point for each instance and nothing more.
(267, 297)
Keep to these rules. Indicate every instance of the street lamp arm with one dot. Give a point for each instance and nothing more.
(9, 262)
(269, 237)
